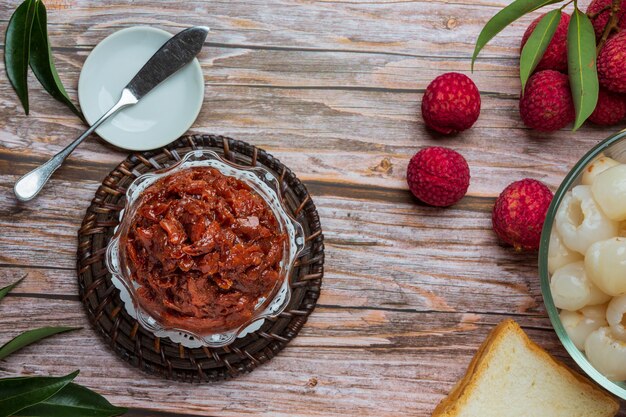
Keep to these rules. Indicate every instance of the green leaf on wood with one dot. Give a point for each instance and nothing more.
(42, 62)
(17, 48)
(537, 44)
(5, 290)
(505, 17)
(19, 393)
(31, 336)
(581, 58)
(73, 400)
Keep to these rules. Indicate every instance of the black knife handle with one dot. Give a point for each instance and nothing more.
(172, 56)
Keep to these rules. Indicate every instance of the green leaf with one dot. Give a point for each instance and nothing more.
(19, 393)
(5, 290)
(505, 17)
(31, 336)
(537, 44)
(581, 60)
(73, 400)
(16, 53)
(42, 62)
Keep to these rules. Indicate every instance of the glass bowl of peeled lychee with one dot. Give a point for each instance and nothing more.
(582, 263)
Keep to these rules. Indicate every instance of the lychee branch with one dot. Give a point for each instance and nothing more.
(599, 12)
(612, 24)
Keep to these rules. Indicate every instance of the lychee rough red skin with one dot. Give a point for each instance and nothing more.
(599, 12)
(547, 103)
(612, 64)
(451, 103)
(610, 110)
(555, 56)
(438, 176)
(519, 213)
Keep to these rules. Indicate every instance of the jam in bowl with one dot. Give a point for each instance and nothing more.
(204, 250)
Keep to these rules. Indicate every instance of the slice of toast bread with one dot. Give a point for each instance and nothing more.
(512, 376)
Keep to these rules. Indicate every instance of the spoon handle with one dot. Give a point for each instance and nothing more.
(27, 187)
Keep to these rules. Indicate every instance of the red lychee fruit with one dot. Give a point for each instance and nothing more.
(547, 102)
(438, 176)
(451, 103)
(610, 110)
(519, 213)
(555, 57)
(599, 12)
(612, 64)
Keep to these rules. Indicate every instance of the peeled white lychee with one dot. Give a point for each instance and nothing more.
(600, 164)
(609, 191)
(580, 221)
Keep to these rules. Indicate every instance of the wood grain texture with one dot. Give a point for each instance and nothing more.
(332, 88)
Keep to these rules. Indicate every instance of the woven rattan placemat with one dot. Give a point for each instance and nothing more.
(161, 356)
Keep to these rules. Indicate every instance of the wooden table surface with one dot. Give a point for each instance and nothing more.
(333, 89)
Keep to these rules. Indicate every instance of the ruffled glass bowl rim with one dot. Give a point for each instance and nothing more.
(617, 388)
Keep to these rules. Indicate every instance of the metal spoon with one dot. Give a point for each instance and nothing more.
(171, 57)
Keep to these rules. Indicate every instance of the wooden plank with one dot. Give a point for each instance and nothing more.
(417, 27)
(344, 155)
(343, 362)
(401, 266)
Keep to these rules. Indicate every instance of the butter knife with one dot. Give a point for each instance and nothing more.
(171, 57)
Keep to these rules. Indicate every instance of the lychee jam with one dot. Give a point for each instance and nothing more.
(204, 249)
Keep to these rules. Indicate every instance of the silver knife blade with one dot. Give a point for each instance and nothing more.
(172, 56)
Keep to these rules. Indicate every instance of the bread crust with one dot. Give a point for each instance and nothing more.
(458, 396)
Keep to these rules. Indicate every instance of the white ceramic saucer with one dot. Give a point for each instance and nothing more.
(162, 115)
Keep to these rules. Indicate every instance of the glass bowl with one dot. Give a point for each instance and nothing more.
(613, 147)
(263, 183)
